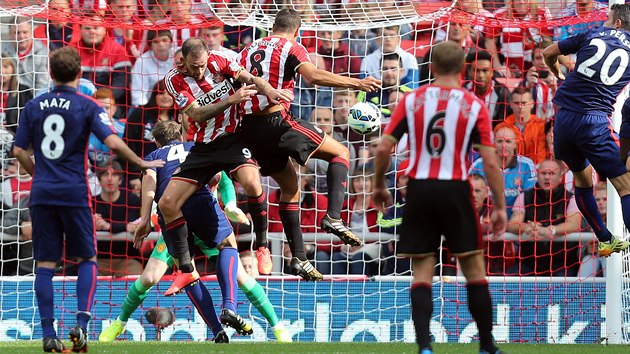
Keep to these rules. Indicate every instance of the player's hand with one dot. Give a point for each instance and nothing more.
(382, 198)
(143, 229)
(369, 84)
(145, 165)
(243, 94)
(235, 213)
(498, 219)
(277, 96)
(558, 74)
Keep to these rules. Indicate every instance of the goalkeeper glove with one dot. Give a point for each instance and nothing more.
(235, 213)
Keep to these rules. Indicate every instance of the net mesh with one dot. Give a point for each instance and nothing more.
(561, 280)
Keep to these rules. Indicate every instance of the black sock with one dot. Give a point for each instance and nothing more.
(290, 217)
(258, 210)
(177, 232)
(480, 307)
(336, 177)
(421, 311)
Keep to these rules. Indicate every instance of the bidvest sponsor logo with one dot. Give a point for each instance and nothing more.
(216, 93)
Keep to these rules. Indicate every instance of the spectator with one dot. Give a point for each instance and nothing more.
(390, 175)
(323, 119)
(214, 37)
(13, 94)
(249, 262)
(591, 265)
(151, 66)
(141, 122)
(532, 142)
(392, 74)
(515, 44)
(541, 215)
(309, 96)
(116, 210)
(362, 42)
(124, 13)
(342, 100)
(31, 54)
(587, 10)
(104, 62)
(337, 55)
(482, 83)
(308, 16)
(475, 14)
(390, 43)
(390, 222)
(542, 84)
(17, 256)
(58, 32)
(15, 186)
(458, 32)
(99, 152)
(180, 14)
(518, 171)
(238, 37)
(360, 216)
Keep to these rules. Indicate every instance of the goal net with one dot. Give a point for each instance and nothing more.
(547, 282)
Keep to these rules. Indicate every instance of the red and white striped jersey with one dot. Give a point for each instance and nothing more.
(215, 86)
(517, 42)
(276, 60)
(441, 123)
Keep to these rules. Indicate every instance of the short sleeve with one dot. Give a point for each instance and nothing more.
(177, 88)
(100, 123)
(150, 157)
(572, 44)
(398, 126)
(23, 136)
(219, 63)
(298, 55)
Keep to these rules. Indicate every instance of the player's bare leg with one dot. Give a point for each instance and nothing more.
(290, 217)
(249, 178)
(624, 149)
(174, 197)
(585, 200)
(337, 156)
(479, 300)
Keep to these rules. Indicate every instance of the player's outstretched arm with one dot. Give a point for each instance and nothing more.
(275, 95)
(149, 186)
(121, 149)
(325, 78)
(24, 158)
(551, 54)
(494, 176)
(205, 113)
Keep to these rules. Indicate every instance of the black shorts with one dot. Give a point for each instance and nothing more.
(435, 208)
(275, 137)
(205, 160)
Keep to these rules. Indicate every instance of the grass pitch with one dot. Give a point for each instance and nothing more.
(24, 347)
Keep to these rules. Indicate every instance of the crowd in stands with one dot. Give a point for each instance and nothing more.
(123, 69)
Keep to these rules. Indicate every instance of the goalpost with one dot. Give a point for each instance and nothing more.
(348, 306)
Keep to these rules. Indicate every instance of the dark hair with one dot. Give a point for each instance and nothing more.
(548, 126)
(194, 46)
(165, 132)
(65, 64)
(153, 34)
(158, 88)
(392, 56)
(447, 58)
(622, 12)
(520, 90)
(287, 21)
(478, 55)
(108, 164)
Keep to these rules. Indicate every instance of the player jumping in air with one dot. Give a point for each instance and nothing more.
(203, 88)
(274, 135)
(439, 192)
(172, 150)
(582, 132)
(57, 126)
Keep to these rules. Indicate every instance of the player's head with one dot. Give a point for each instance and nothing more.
(287, 22)
(166, 132)
(448, 59)
(195, 57)
(65, 66)
(619, 17)
(479, 70)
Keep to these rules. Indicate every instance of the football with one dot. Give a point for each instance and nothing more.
(364, 118)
